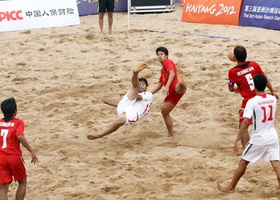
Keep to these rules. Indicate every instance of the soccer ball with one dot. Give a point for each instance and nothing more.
(231, 56)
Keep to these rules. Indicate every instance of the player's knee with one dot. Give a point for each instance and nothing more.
(101, 15)
(276, 166)
(164, 113)
(22, 182)
(120, 120)
(4, 187)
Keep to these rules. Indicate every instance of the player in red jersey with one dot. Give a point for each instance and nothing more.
(240, 80)
(173, 85)
(11, 161)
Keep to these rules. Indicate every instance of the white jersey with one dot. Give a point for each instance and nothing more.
(262, 109)
(135, 109)
(142, 107)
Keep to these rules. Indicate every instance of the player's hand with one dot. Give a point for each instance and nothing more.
(122, 94)
(240, 111)
(236, 90)
(34, 158)
(236, 147)
(103, 99)
(165, 91)
(276, 96)
(94, 1)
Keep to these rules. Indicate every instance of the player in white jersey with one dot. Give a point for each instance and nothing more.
(264, 142)
(134, 105)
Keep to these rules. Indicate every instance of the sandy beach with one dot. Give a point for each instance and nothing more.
(57, 76)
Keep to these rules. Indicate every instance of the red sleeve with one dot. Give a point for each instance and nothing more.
(168, 65)
(257, 67)
(231, 77)
(160, 80)
(20, 128)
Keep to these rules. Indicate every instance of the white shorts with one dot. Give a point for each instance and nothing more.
(253, 152)
(126, 106)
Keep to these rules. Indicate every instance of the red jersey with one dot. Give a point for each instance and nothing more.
(9, 144)
(168, 65)
(243, 75)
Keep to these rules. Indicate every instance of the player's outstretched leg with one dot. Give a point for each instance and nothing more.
(134, 78)
(140, 68)
(180, 74)
(181, 86)
(117, 123)
(240, 171)
(133, 92)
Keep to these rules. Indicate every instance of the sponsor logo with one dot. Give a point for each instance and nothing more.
(11, 15)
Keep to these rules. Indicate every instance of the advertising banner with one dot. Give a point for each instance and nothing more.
(212, 11)
(260, 13)
(28, 14)
(86, 7)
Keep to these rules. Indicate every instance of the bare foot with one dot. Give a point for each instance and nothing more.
(180, 75)
(93, 137)
(140, 67)
(170, 135)
(225, 189)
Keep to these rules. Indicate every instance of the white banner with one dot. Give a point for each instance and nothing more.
(28, 14)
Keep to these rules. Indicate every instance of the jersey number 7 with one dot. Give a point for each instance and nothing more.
(4, 134)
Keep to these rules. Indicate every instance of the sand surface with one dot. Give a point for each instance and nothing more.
(57, 76)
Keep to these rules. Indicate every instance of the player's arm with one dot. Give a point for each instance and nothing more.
(145, 96)
(243, 128)
(24, 143)
(170, 78)
(169, 81)
(139, 97)
(247, 115)
(269, 85)
(109, 102)
(232, 87)
(157, 88)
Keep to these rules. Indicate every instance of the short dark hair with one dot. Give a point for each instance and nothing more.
(162, 49)
(8, 107)
(144, 80)
(240, 53)
(260, 82)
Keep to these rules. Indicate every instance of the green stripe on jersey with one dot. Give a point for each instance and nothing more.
(255, 119)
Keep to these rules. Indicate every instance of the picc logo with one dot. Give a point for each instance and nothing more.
(11, 15)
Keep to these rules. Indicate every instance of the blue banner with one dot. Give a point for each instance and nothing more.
(86, 7)
(260, 13)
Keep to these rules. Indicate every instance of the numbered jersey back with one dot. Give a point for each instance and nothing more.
(9, 131)
(262, 109)
(243, 76)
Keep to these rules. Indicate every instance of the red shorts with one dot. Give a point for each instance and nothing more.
(244, 102)
(173, 97)
(241, 119)
(12, 166)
